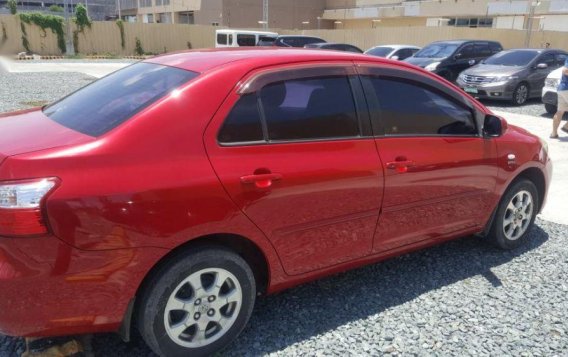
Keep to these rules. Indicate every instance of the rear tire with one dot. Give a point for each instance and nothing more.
(550, 108)
(515, 215)
(197, 303)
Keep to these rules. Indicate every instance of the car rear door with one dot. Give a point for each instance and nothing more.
(293, 148)
(537, 76)
(440, 174)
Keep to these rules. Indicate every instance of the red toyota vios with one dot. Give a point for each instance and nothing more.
(168, 195)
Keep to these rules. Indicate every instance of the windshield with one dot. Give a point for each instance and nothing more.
(379, 51)
(437, 50)
(512, 58)
(105, 104)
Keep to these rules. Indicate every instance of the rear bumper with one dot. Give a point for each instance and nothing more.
(48, 288)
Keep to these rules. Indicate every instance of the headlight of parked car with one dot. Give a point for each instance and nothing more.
(551, 82)
(504, 78)
(432, 66)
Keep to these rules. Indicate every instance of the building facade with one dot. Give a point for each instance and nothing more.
(503, 14)
(98, 10)
(288, 14)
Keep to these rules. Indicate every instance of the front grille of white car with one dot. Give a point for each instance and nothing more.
(551, 83)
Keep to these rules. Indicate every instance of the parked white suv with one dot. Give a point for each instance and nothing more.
(550, 91)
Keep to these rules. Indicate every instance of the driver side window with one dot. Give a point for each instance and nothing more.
(466, 52)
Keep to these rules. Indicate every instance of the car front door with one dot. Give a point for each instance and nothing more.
(463, 59)
(295, 152)
(440, 173)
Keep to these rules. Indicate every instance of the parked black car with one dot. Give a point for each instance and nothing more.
(335, 46)
(449, 58)
(288, 41)
(514, 75)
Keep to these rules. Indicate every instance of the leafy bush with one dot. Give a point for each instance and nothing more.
(52, 22)
(138, 49)
(81, 18)
(13, 6)
(55, 8)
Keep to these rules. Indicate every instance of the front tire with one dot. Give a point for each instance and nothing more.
(515, 215)
(550, 108)
(197, 303)
(520, 94)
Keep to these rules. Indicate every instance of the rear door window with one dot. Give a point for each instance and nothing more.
(560, 59)
(313, 108)
(105, 104)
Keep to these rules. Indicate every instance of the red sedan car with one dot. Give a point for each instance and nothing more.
(168, 195)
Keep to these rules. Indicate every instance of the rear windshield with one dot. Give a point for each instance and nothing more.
(380, 51)
(512, 58)
(437, 50)
(300, 41)
(105, 104)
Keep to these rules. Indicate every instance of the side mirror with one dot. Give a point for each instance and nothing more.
(394, 58)
(458, 56)
(541, 66)
(494, 126)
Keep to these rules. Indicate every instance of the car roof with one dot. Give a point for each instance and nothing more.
(204, 60)
(397, 47)
(297, 36)
(459, 42)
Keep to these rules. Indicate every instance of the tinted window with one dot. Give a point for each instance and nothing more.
(221, 38)
(246, 40)
(467, 52)
(310, 109)
(243, 123)
(495, 47)
(482, 50)
(350, 48)
(266, 41)
(299, 41)
(548, 59)
(379, 51)
(437, 50)
(431, 113)
(108, 102)
(403, 54)
(512, 58)
(560, 59)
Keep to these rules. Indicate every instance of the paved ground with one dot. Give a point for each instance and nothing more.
(461, 298)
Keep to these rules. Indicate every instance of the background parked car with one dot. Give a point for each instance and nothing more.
(514, 75)
(395, 52)
(240, 38)
(449, 58)
(335, 46)
(288, 41)
(550, 91)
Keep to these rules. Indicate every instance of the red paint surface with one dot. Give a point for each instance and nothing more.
(161, 180)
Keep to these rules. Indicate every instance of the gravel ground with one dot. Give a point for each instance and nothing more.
(460, 298)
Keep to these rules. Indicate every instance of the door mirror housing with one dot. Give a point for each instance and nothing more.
(494, 126)
(541, 66)
(458, 56)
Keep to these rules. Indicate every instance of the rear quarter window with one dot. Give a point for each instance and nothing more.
(105, 104)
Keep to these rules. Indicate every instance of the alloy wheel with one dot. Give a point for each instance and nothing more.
(203, 307)
(518, 215)
(521, 94)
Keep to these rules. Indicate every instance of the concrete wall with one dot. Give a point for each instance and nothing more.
(104, 37)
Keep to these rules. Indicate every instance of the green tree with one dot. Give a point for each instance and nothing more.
(55, 8)
(13, 6)
(81, 18)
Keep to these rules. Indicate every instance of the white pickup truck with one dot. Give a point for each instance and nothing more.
(549, 91)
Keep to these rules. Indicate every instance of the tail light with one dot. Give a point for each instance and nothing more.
(21, 206)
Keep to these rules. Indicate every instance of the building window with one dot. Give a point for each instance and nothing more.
(145, 3)
(471, 22)
(158, 2)
(165, 2)
(214, 24)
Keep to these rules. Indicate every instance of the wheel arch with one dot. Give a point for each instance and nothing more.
(536, 176)
(239, 244)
